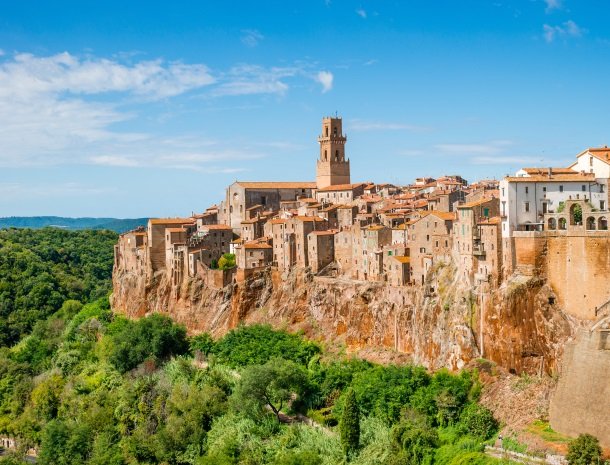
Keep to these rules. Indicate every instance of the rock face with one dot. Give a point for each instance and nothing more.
(437, 324)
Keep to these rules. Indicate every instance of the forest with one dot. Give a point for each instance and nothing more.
(81, 385)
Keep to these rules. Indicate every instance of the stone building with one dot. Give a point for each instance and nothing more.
(131, 252)
(332, 167)
(430, 240)
(467, 233)
(321, 249)
(368, 251)
(254, 254)
(398, 270)
(156, 239)
(241, 197)
(340, 193)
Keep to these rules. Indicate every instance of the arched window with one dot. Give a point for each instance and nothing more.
(602, 223)
(326, 152)
(326, 131)
(336, 155)
(335, 130)
(562, 223)
(575, 214)
(591, 223)
(552, 224)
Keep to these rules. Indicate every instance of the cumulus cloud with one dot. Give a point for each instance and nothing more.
(65, 109)
(326, 79)
(251, 37)
(567, 29)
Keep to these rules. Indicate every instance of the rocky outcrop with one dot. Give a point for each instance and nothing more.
(437, 324)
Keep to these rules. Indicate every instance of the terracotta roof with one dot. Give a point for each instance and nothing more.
(308, 218)
(544, 171)
(330, 208)
(252, 220)
(402, 258)
(579, 177)
(175, 229)
(492, 220)
(277, 185)
(340, 187)
(278, 221)
(254, 207)
(257, 245)
(448, 216)
(374, 227)
(216, 227)
(308, 200)
(476, 203)
(342, 207)
(171, 221)
(601, 153)
(329, 232)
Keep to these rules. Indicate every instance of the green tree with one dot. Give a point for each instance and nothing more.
(414, 439)
(227, 261)
(584, 450)
(349, 425)
(478, 421)
(272, 385)
(202, 343)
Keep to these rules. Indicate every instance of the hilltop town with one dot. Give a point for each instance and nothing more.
(394, 234)
(442, 271)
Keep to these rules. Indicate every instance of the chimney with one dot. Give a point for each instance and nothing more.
(550, 172)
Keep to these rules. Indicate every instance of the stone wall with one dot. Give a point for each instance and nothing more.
(581, 403)
(581, 292)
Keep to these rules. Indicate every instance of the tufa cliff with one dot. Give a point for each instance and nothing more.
(437, 324)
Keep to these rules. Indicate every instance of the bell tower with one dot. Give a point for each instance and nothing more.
(332, 168)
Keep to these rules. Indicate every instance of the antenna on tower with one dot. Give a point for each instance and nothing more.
(336, 114)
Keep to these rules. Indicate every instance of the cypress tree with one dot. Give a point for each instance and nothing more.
(350, 424)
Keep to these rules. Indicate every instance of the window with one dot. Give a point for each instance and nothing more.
(502, 192)
(602, 205)
(590, 161)
(486, 212)
(527, 189)
(544, 189)
(601, 188)
(560, 188)
(583, 188)
(526, 207)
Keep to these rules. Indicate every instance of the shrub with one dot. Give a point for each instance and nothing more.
(478, 421)
(254, 345)
(584, 450)
(227, 261)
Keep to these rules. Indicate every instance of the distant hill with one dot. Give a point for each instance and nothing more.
(35, 222)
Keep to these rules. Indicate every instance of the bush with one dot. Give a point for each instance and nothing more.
(254, 345)
(584, 450)
(478, 421)
(155, 337)
(227, 261)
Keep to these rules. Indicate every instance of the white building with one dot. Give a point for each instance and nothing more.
(593, 160)
(527, 196)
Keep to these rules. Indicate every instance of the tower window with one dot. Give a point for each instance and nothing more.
(336, 155)
(335, 130)
(326, 131)
(325, 152)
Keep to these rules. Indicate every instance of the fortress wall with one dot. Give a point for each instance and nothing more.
(580, 403)
(577, 268)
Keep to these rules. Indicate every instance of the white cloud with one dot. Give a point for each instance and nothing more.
(553, 5)
(567, 29)
(27, 76)
(361, 12)
(326, 79)
(251, 37)
(359, 125)
(64, 109)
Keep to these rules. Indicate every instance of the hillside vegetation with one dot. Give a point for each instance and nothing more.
(36, 222)
(82, 385)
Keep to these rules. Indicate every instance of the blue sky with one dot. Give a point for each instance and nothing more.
(151, 108)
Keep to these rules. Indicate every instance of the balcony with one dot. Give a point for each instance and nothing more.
(478, 250)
